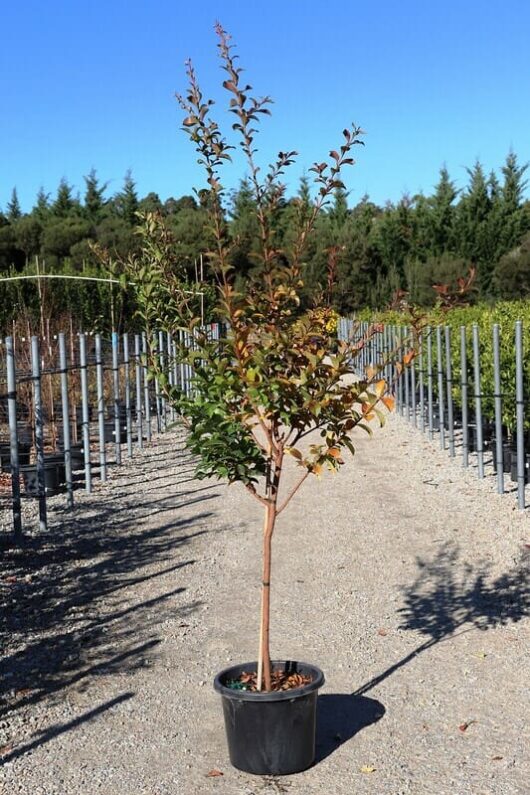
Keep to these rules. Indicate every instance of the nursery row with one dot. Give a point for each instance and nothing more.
(69, 404)
(468, 385)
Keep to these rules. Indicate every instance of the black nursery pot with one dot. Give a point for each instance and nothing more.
(508, 452)
(513, 468)
(271, 733)
(53, 478)
(110, 432)
(24, 450)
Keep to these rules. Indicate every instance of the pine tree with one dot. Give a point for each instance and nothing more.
(41, 209)
(513, 215)
(442, 214)
(94, 202)
(473, 227)
(339, 211)
(64, 201)
(127, 200)
(13, 207)
(243, 229)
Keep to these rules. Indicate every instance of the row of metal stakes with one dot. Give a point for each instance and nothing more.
(425, 395)
(136, 401)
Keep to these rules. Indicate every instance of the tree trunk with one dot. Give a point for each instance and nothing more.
(264, 658)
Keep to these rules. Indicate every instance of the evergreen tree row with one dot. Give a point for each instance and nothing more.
(412, 244)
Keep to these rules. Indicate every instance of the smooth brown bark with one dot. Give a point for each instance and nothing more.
(265, 660)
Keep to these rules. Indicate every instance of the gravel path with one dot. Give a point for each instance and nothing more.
(402, 577)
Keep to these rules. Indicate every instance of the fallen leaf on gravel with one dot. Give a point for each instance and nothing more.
(464, 726)
(183, 625)
(10, 579)
(367, 769)
(214, 773)
(497, 758)
(5, 749)
(480, 654)
(382, 632)
(24, 691)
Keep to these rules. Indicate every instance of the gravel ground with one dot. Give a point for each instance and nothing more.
(402, 577)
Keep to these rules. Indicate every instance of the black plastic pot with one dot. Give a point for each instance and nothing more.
(110, 432)
(79, 414)
(54, 478)
(271, 733)
(508, 452)
(487, 437)
(513, 468)
(24, 450)
(77, 456)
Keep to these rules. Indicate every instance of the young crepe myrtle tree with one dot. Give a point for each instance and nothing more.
(270, 381)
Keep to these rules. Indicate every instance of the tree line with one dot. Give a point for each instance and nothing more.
(410, 245)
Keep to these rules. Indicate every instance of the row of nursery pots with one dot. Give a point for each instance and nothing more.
(54, 469)
(509, 445)
(24, 448)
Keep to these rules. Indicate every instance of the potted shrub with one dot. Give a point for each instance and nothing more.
(266, 391)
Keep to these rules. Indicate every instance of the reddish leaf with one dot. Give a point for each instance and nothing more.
(382, 632)
(214, 773)
(389, 402)
(6, 749)
(24, 691)
(464, 726)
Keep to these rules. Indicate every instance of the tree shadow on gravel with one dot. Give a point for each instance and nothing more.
(451, 596)
(340, 716)
(69, 607)
(57, 729)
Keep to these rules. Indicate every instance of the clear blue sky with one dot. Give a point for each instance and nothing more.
(91, 84)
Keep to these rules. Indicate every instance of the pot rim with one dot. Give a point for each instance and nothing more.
(273, 695)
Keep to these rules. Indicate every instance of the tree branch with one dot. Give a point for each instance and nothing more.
(293, 491)
(252, 489)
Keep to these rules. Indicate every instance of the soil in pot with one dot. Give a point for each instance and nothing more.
(270, 733)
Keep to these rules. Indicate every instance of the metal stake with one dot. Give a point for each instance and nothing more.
(13, 439)
(138, 368)
(147, 400)
(101, 410)
(499, 457)
(116, 391)
(441, 405)
(430, 378)
(449, 390)
(67, 442)
(464, 392)
(478, 400)
(85, 411)
(128, 408)
(519, 400)
(39, 431)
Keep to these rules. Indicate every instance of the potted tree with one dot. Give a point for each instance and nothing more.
(266, 391)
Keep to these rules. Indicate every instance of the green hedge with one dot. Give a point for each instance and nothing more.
(505, 313)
